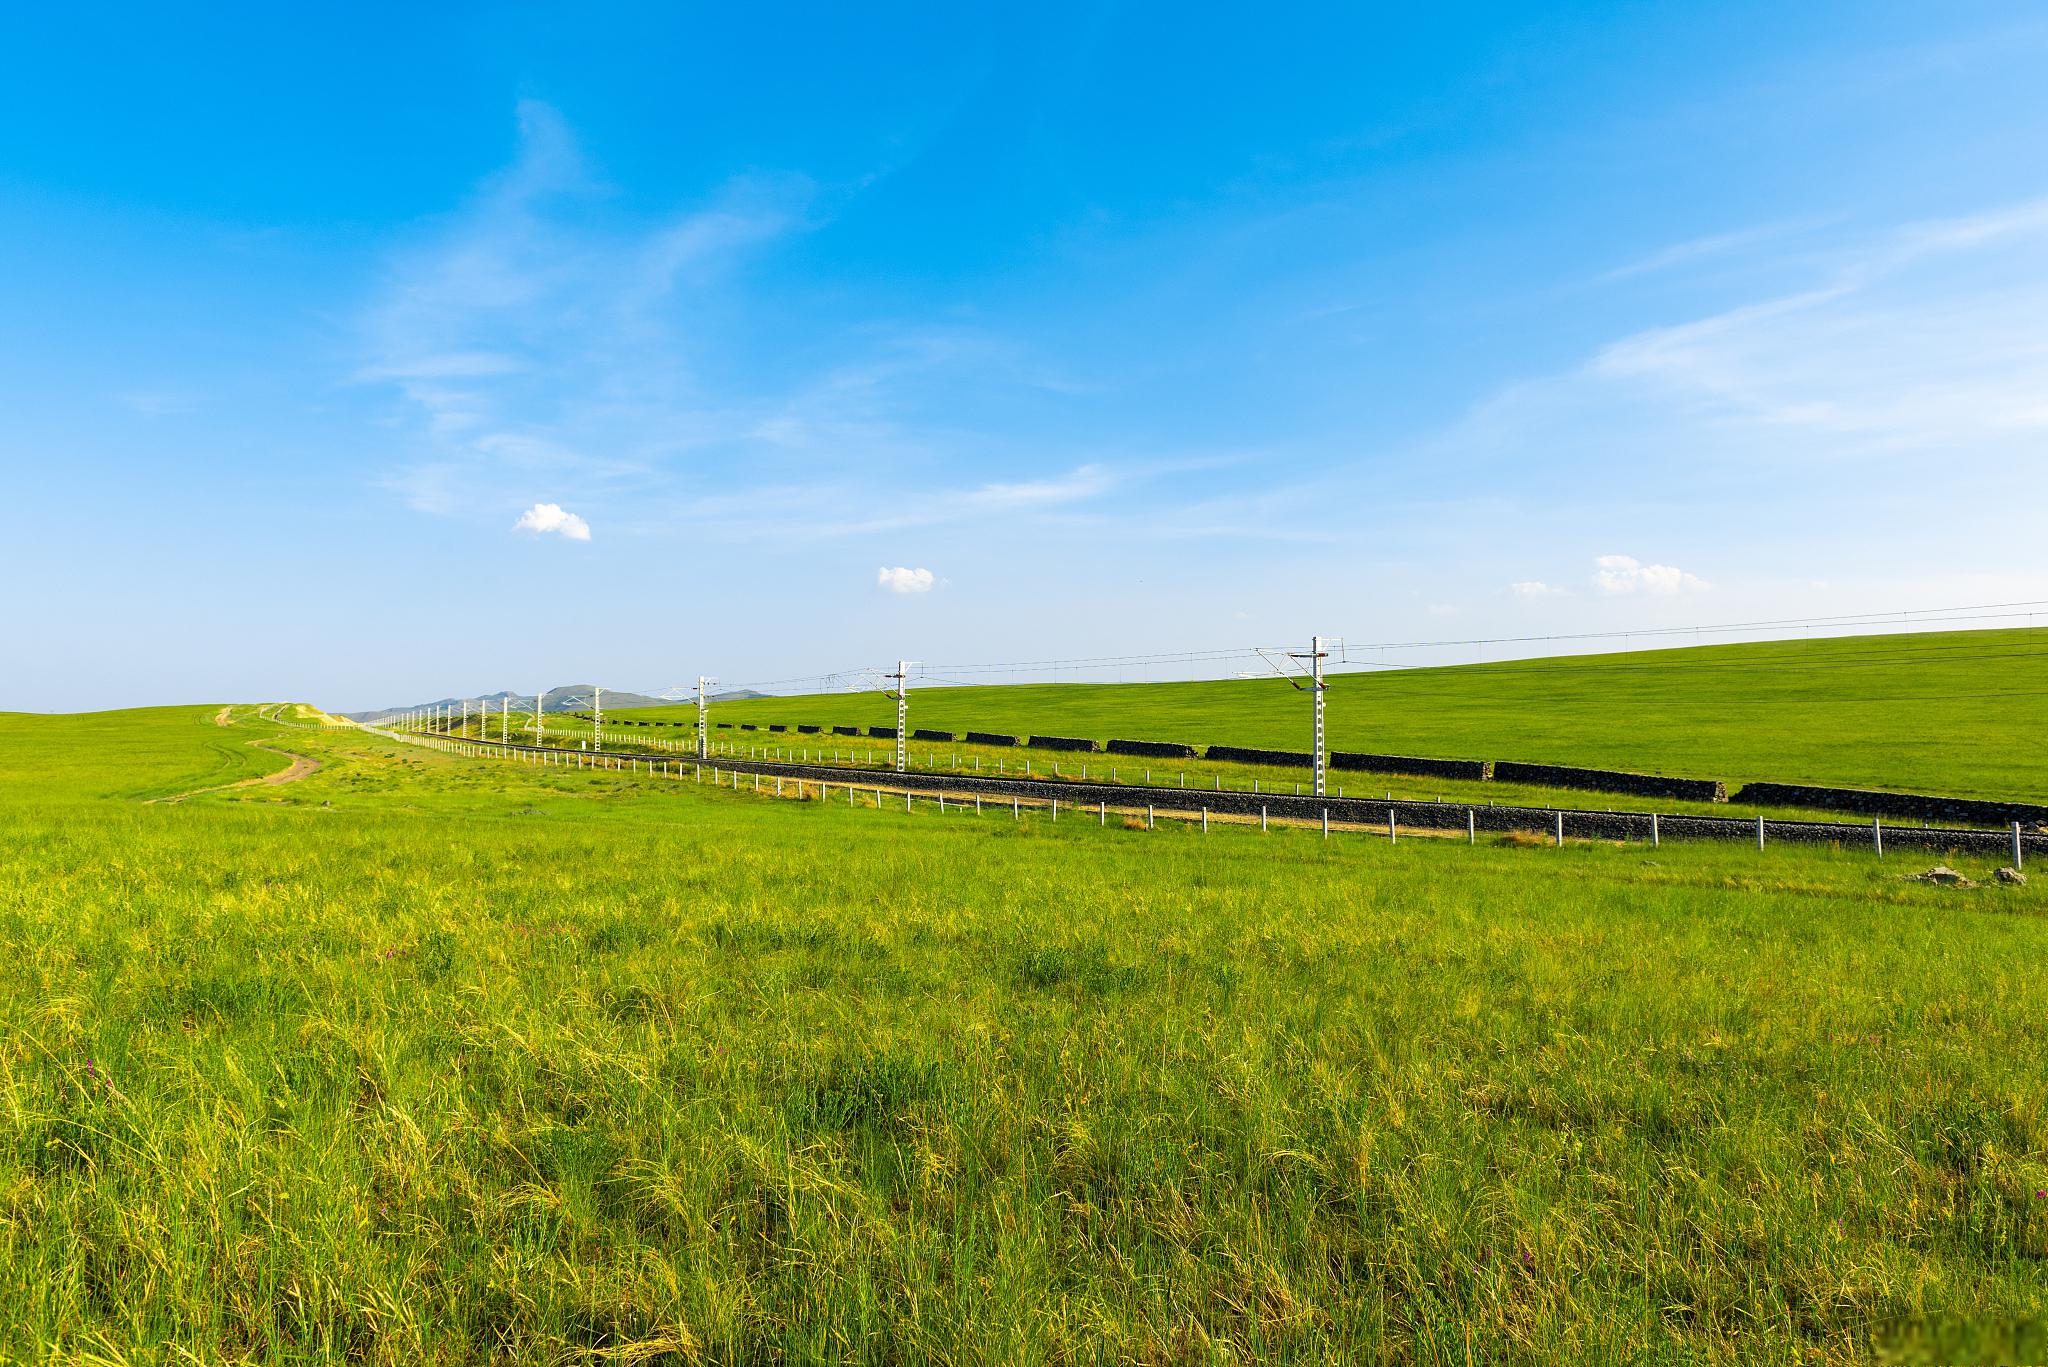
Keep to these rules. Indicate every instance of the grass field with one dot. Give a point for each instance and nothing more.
(424, 1059)
(1949, 712)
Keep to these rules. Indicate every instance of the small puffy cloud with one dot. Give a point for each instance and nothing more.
(1535, 588)
(903, 579)
(1626, 574)
(552, 517)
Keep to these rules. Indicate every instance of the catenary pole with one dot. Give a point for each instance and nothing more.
(703, 707)
(1315, 653)
(902, 696)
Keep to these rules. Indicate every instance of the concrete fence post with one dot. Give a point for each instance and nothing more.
(1262, 818)
(2018, 849)
(1392, 834)
(1653, 831)
(1759, 830)
(1560, 828)
(1877, 835)
(1205, 821)
(1326, 823)
(1471, 827)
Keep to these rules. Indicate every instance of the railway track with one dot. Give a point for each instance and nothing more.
(1399, 815)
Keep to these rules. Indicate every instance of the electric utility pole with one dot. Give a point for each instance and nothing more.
(902, 696)
(703, 733)
(1316, 687)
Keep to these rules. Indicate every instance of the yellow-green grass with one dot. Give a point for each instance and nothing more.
(428, 1059)
(1949, 712)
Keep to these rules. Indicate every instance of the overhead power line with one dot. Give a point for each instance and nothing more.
(1352, 655)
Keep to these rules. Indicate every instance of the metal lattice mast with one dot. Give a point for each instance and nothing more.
(596, 717)
(703, 707)
(1317, 687)
(1315, 654)
(540, 728)
(902, 677)
(505, 719)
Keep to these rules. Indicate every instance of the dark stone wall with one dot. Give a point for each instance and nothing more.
(1472, 770)
(1915, 806)
(1238, 754)
(846, 730)
(803, 730)
(991, 738)
(931, 735)
(882, 732)
(1156, 749)
(1610, 781)
(1064, 743)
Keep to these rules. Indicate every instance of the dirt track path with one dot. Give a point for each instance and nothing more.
(300, 766)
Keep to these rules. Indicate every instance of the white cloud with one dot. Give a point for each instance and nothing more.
(1626, 574)
(903, 579)
(1536, 588)
(552, 517)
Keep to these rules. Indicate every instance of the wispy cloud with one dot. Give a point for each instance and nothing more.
(819, 509)
(538, 331)
(1711, 246)
(158, 403)
(539, 327)
(1933, 335)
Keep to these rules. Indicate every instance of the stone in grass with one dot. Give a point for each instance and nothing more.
(2013, 876)
(1943, 874)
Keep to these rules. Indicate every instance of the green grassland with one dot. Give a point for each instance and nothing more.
(1948, 712)
(431, 1059)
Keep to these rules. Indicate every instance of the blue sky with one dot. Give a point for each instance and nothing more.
(376, 353)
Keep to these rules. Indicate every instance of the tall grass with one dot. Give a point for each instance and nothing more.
(426, 1059)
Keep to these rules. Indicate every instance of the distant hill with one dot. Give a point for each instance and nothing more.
(565, 698)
